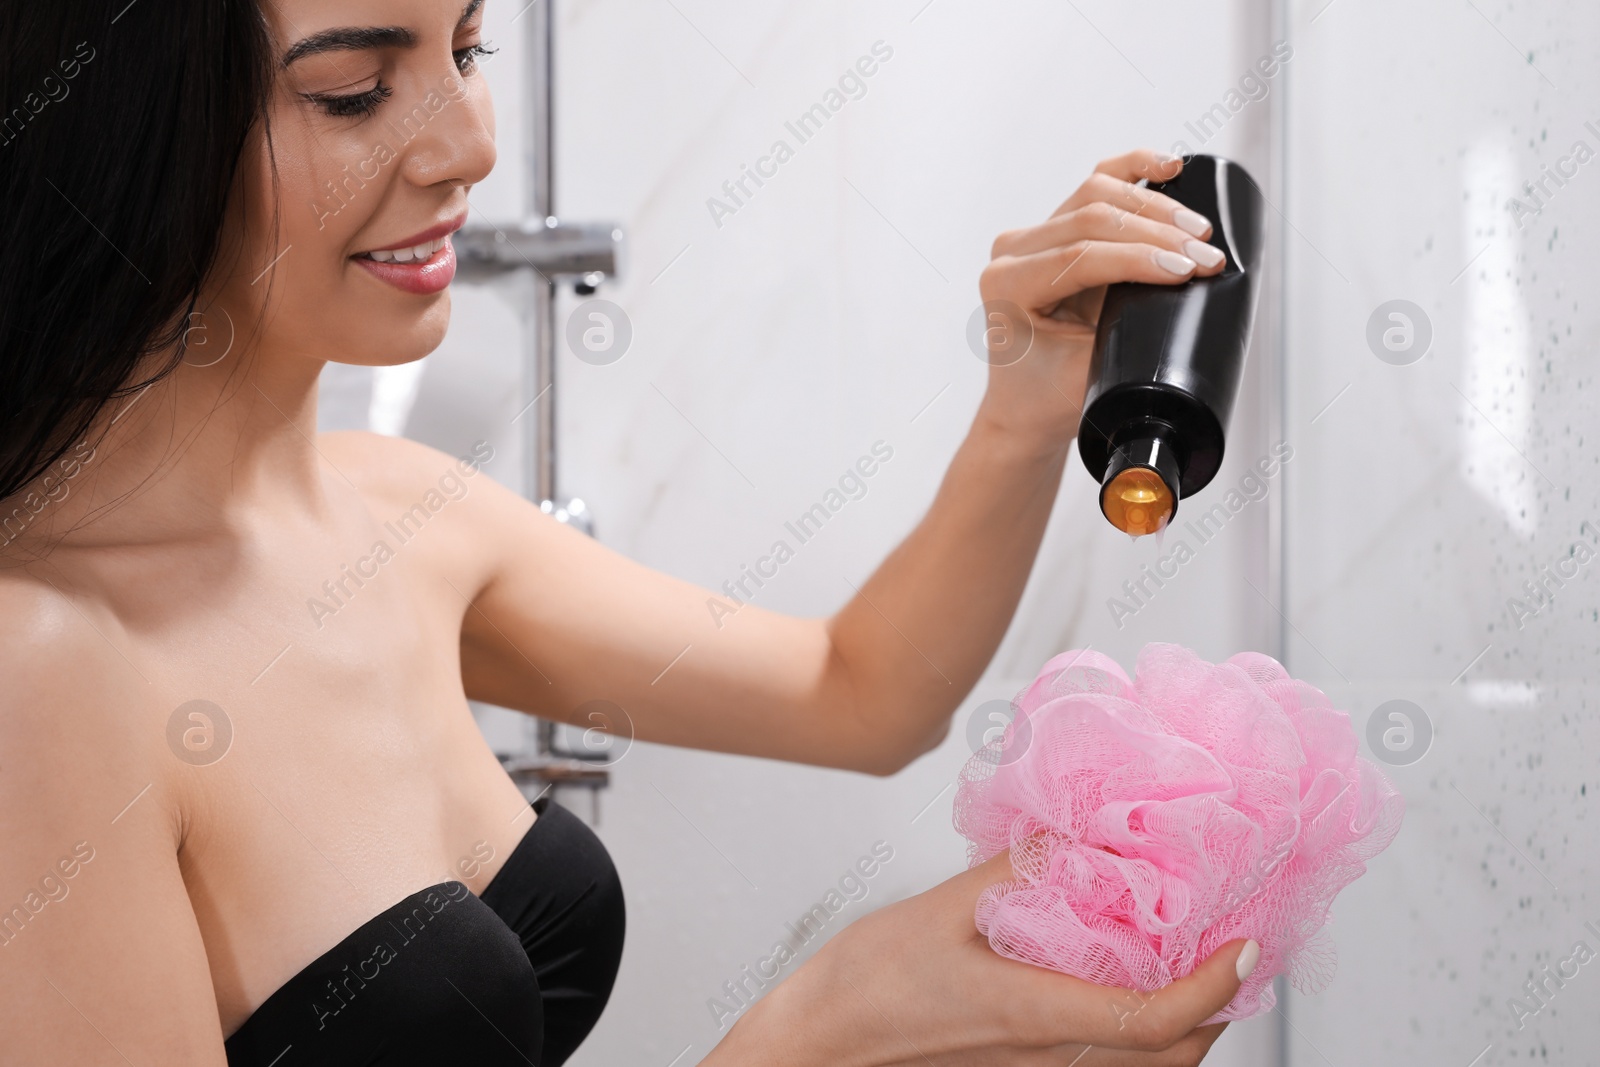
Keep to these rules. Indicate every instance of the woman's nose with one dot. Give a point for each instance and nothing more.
(449, 134)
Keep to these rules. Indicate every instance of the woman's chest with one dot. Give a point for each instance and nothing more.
(328, 795)
(327, 761)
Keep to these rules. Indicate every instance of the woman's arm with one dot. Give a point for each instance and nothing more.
(559, 621)
(915, 983)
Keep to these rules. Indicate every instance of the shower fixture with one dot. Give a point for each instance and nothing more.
(548, 251)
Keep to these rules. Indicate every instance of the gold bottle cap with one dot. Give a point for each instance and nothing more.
(1137, 501)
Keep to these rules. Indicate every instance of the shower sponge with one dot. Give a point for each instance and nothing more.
(1151, 821)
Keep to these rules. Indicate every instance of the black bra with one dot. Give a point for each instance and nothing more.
(518, 976)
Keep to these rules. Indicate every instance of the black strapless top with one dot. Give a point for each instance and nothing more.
(518, 976)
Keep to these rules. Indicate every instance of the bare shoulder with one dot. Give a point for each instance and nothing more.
(474, 526)
(396, 471)
(78, 721)
(486, 527)
(411, 485)
(52, 655)
(92, 897)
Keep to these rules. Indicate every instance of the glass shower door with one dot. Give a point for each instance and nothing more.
(1442, 509)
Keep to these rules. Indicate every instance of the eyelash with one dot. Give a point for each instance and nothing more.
(467, 58)
(353, 105)
(364, 104)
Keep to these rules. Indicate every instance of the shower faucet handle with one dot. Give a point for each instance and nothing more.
(590, 251)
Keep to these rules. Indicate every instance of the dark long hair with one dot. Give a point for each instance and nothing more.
(122, 133)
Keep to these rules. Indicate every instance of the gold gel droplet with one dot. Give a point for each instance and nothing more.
(1137, 501)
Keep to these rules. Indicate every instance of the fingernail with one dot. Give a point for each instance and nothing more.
(1249, 956)
(1192, 221)
(1173, 262)
(1202, 253)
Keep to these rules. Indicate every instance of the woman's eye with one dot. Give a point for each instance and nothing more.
(354, 105)
(351, 105)
(467, 58)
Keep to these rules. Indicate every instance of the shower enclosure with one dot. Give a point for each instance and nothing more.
(1423, 366)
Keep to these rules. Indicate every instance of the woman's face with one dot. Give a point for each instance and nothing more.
(380, 123)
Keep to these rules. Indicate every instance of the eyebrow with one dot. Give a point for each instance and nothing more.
(359, 38)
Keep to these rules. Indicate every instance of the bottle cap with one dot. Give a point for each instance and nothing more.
(1139, 495)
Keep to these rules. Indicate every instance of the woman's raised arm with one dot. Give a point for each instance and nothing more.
(560, 621)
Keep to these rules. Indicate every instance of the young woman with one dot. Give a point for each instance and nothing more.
(207, 200)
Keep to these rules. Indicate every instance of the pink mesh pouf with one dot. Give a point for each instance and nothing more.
(1151, 821)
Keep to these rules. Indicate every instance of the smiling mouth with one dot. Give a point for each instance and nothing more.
(415, 254)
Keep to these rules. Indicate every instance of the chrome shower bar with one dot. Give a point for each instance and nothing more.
(551, 251)
(547, 251)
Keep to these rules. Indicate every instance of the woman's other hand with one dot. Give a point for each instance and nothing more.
(915, 983)
(1043, 288)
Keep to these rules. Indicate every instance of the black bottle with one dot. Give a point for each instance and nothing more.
(1168, 359)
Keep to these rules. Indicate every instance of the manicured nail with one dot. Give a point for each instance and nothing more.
(1173, 262)
(1191, 221)
(1202, 253)
(1249, 956)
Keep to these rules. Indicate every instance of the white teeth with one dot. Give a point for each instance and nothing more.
(416, 254)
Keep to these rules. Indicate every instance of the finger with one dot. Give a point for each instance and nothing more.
(1044, 1008)
(1145, 163)
(1186, 1053)
(1101, 221)
(1140, 164)
(1046, 278)
(1193, 1048)
(1136, 201)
